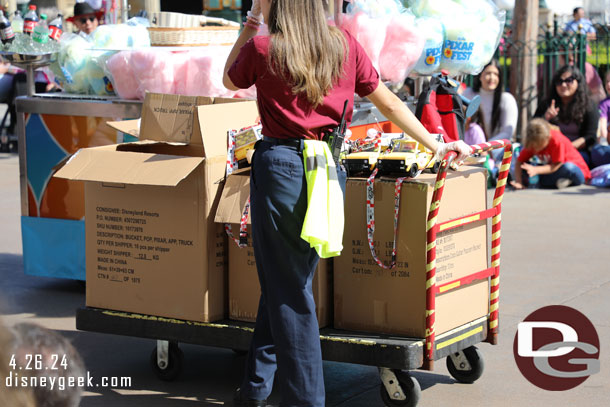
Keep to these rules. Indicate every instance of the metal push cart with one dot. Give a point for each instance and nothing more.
(394, 356)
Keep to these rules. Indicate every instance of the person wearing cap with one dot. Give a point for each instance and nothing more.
(86, 18)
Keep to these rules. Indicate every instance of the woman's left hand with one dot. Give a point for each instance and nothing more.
(462, 149)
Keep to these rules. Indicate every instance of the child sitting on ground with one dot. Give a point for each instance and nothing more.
(561, 164)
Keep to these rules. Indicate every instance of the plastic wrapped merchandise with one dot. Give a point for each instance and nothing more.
(205, 69)
(370, 33)
(120, 36)
(436, 8)
(402, 47)
(600, 176)
(434, 33)
(99, 82)
(154, 71)
(118, 68)
(470, 40)
(71, 62)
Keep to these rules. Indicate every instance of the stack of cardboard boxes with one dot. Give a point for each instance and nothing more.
(155, 244)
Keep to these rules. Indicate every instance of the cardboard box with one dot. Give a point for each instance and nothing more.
(152, 246)
(369, 298)
(244, 288)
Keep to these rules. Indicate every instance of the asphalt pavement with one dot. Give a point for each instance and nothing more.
(554, 252)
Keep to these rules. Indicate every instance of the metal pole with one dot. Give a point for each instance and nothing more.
(124, 11)
(30, 80)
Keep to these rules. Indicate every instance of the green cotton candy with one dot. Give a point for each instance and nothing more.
(98, 80)
(120, 37)
(436, 8)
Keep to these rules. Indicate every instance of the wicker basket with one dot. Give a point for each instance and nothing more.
(192, 36)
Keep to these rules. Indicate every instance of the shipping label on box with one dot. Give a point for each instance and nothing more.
(152, 245)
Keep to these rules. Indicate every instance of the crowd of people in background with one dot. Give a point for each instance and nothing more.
(568, 135)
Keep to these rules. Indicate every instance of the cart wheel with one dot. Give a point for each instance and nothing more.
(175, 359)
(436, 167)
(410, 387)
(468, 370)
(413, 170)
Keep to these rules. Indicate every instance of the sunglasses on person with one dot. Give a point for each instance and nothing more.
(567, 81)
(85, 19)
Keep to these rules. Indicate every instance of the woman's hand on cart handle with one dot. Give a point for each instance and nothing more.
(462, 149)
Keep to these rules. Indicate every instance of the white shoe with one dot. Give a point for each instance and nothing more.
(563, 183)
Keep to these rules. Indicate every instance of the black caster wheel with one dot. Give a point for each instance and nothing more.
(410, 387)
(413, 170)
(175, 359)
(436, 167)
(458, 365)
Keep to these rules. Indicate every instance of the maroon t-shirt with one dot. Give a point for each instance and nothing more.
(285, 115)
(559, 150)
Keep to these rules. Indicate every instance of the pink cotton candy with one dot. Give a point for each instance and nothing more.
(123, 78)
(181, 65)
(205, 71)
(370, 33)
(154, 72)
(401, 49)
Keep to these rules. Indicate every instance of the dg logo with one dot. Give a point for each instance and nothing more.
(556, 348)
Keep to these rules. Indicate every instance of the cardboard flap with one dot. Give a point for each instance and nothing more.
(235, 193)
(131, 127)
(216, 120)
(106, 165)
(169, 117)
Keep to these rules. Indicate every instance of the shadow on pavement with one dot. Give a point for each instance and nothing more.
(25, 294)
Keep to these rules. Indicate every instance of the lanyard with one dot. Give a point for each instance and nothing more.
(370, 217)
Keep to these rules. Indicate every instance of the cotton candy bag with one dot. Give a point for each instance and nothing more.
(72, 59)
(401, 49)
(118, 68)
(433, 31)
(472, 31)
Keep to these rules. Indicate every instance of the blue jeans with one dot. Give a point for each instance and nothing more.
(286, 336)
(567, 170)
(600, 155)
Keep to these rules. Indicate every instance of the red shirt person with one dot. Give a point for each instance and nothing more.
(304, 72)
(284, 114)
(561, 164)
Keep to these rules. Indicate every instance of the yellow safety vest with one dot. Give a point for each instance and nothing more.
(323, 225)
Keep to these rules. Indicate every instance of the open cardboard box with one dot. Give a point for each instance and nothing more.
(152, 246)
(244, 288)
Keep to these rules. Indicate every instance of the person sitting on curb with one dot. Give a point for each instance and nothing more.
(561, 164)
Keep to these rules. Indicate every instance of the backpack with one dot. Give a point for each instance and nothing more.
(441, 109)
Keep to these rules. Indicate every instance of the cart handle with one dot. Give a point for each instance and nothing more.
(432, 228)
